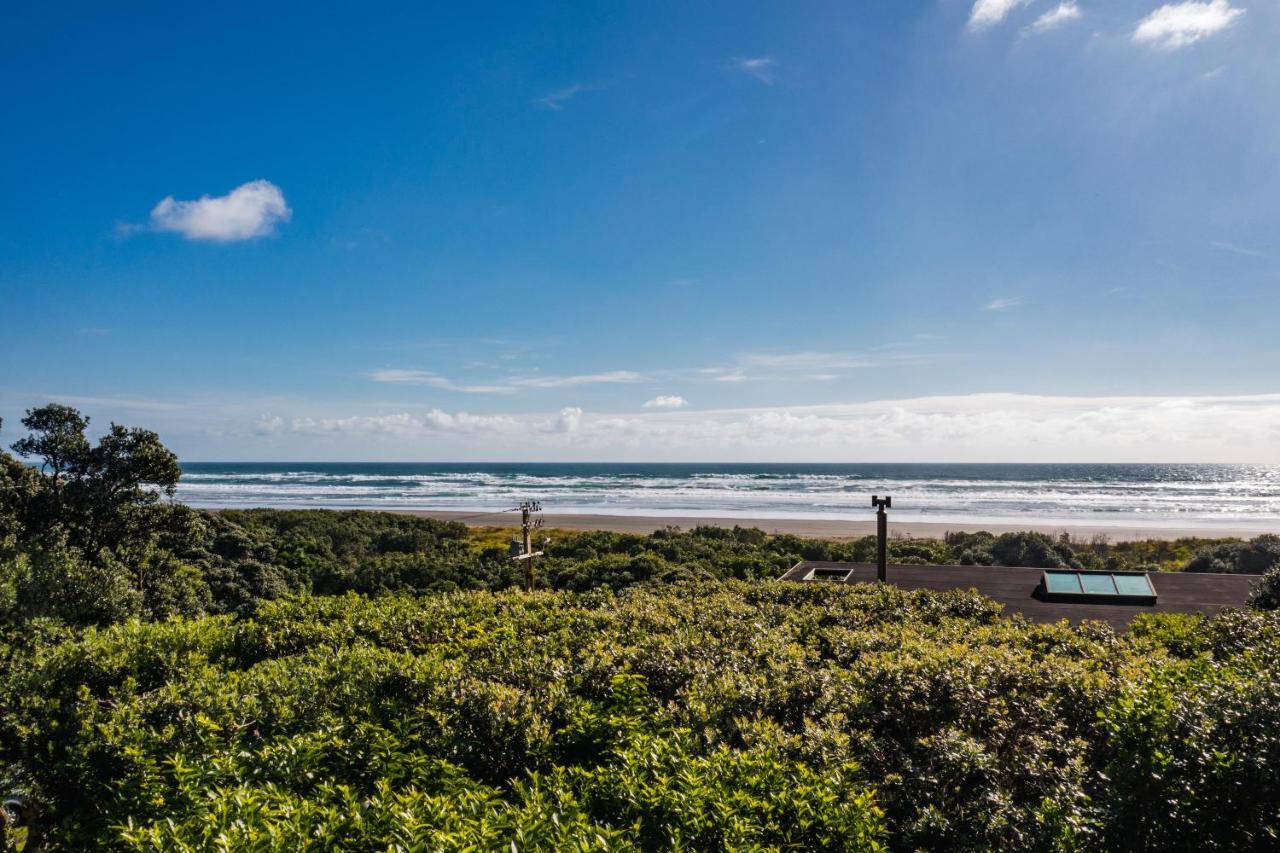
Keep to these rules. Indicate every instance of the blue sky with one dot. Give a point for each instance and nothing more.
(825, 231)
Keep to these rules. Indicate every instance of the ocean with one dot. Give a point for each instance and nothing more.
(1202, 497)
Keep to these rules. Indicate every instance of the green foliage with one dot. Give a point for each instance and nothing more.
(1254, 557)
(714, 715)
(88, 539)
(1192, 746)
(1033, 549)
(18, 487)
(56, 580)
(1266, 595)
(101, 496)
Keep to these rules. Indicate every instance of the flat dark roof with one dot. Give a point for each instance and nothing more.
(1018, 589)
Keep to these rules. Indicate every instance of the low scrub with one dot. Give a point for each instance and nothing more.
(716, 715)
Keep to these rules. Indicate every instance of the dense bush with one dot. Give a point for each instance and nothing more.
(1254, 557)
(704, 715)
(1266, 595)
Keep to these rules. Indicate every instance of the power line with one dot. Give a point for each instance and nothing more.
(482, 514)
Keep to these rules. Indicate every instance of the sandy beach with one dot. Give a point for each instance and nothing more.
(838, 528)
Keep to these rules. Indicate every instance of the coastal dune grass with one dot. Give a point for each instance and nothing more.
(717, 715)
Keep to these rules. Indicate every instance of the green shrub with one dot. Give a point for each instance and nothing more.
(1255, 557)
(712, 715)
(1266, 595)
(1032, 549)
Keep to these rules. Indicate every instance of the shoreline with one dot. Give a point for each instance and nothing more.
(835, 528)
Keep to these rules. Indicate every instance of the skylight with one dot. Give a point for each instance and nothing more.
(829, 574)
(1128, 588)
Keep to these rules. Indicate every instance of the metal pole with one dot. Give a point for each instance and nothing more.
(882, 536)
(528, 547)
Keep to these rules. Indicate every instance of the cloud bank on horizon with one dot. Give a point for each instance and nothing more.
(993, 427)
(996, 427)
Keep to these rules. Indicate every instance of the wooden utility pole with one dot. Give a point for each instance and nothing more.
(527, 525)
(882, 535)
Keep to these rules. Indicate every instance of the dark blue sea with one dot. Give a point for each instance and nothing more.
(1181, 496)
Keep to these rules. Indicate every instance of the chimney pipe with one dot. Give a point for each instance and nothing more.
(882, 535)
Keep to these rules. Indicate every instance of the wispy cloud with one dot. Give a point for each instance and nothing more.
(557, 99)
(1181, 24)
(666, 402)
(506, 385)
(410, 426)
(807, 366)
(825, 360)
(115, 404)
(435, 380)
(1002, 304)
(759, 67)
(606, 378)
(988, 13)
(250, 210)
(1064, 12)
(402, 424)
(1238, 250)
(743, 367)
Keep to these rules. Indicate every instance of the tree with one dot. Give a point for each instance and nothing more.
(98, 538)
(124, 476)
(19, 485)
(102, 496)
(57, 437)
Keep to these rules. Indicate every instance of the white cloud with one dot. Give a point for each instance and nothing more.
(570, 420)
(988, 13)
(250, 210)
(825, 360)
(608, 377)
(502, 386)
(666, 402)
(759, 67)
(805, 366)
(268, 425)
(960, 428)
(434, 380)
(1002, 304)
(557, 99)
(744, 367)
(1056, 17)
(993, 427)
(403, 424)
(1237, 250)
(1180, 24)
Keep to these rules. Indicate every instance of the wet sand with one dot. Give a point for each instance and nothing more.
(823, 528)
